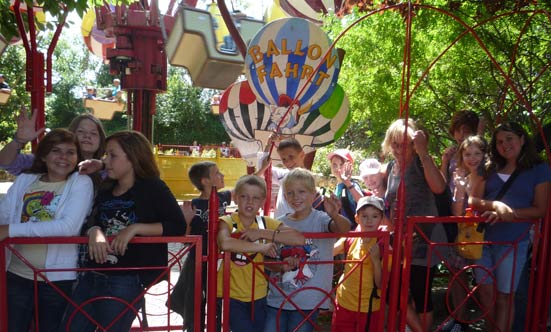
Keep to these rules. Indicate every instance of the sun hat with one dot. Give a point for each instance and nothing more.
(345, 154)
(374, 201)
(369, 166)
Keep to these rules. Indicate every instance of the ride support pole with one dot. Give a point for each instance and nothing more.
(212, 260)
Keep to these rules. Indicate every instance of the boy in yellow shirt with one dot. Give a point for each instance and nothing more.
(259, 236)
(362, 288)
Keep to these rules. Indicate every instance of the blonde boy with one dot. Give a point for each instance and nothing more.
(259, 236)
(361, 287)
(295, 289)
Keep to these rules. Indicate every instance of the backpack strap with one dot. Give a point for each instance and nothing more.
(261, 222)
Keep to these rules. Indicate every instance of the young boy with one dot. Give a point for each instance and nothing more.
(259, 236)
(347, 190)
(292, 156)
(350, 294)
(294, 291)
(204, 175)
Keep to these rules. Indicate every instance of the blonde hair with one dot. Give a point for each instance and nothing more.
(251, 180)
(300, 175)
(395, 133)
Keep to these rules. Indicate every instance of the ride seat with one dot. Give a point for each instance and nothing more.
(192, 44)
(4, 97)
(104, 109)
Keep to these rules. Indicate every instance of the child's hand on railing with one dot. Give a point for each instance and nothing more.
(269, 249)
(98, 245)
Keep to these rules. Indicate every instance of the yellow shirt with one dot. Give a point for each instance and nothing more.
(241, 273)
(350, 292)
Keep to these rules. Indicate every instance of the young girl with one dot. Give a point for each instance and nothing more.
(359, 287)
(248, 286)
(88, 129)
(513, 160)
(471, 158)
(133, 202)
(49, 199)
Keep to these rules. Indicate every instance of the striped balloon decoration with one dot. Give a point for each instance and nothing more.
(245, 119)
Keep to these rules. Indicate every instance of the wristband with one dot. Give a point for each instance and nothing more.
(17, 140)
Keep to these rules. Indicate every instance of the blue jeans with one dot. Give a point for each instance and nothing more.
(21, 303)
(289, 320)
(93, 288)
(240, 315)
(500, 259)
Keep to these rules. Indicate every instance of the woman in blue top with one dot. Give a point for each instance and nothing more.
(526, 199)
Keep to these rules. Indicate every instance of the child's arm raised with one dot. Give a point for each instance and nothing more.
(339, 223)
(227, 243)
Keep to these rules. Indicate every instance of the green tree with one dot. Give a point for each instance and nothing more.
(12, 65)
(56, 10)
(464, 77)
(184, 114)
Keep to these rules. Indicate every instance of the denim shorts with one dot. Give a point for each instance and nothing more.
(504, 264)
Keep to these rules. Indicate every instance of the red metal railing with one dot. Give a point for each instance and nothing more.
(175, 257)
(536, 300)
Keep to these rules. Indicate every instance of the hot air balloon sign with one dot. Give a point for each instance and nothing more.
(291, 89)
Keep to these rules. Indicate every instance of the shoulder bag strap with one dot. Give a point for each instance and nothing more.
(507, 185)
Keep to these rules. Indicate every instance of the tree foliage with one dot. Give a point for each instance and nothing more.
(12, 65)
(463, 77)
(56, 10)
(184, 115)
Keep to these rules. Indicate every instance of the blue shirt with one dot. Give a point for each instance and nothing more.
(520, 195)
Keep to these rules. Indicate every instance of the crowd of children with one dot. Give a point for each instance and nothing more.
(281, 269)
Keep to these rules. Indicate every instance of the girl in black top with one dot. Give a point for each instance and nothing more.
(134, 201)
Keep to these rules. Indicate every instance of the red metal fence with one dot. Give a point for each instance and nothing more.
(395, 319)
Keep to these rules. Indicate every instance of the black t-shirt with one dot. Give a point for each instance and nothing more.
(148, 201)
(200, 223)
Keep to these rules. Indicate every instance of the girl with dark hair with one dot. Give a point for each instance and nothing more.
(133, 201)
(515, 166)
(49, 199)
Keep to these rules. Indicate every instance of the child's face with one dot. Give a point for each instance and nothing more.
(461, 133)
(337, 164)
(472, 157)
(291, 158)
(117, 164)
(249, 200)
(216, 177)
(299, 197)
(373, 181)
(61, 161)
(88, 137)
(369, 218)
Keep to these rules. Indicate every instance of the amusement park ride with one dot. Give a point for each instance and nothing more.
(138, 41)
